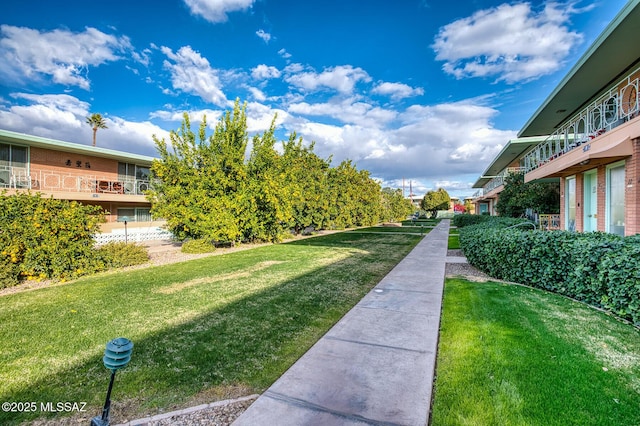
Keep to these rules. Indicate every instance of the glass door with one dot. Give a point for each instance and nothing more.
(590, 201)
(570, 204)
(615, 199)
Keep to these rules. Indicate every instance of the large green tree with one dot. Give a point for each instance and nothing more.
(201, 188)
(435, 200)
(354, 198)
(394, 206)
(207, 188)
(308, 175)
(269, 192)
(518, 196)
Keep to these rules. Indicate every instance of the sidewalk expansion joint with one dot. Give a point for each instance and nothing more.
(315, 407)
(377, 345)
(426, 291)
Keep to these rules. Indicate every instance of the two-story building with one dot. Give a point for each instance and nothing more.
(491, 183)
(114, 180)
(591, 128)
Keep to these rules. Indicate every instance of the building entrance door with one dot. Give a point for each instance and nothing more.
(590, 201)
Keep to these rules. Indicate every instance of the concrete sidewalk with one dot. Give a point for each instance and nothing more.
(376, 365)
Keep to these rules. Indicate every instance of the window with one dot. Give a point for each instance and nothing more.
(136, 177)
(615, 198)
(13, 165)
(570, 203)
(134, 214)
(13, 156)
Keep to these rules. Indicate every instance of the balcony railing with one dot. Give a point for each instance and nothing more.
(499, 180)
(20, 178)
(614, 107)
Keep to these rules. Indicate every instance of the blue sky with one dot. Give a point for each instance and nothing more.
(427, 91)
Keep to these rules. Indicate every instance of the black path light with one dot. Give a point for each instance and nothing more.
(116, 356)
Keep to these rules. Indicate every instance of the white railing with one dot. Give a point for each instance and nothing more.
(41, 180)
(611, 109)
(499, 180)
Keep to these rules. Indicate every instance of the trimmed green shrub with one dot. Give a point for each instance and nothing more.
(198, 246)
(46, 238)
(462, 220)
(121, 254)
(598, 268)
(619, 273)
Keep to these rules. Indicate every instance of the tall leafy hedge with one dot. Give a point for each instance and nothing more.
(598, 268)
(42, 238)
(46, 238)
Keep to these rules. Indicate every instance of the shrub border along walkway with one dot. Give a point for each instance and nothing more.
(600, 269)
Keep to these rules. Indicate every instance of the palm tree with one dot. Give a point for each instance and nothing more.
(96, 122)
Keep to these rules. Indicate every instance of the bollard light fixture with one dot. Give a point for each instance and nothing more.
(116, 356)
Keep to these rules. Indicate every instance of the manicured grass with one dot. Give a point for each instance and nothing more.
(395, 229)
(454, 239)
(511, 355)
(215, 327)
(418, 222)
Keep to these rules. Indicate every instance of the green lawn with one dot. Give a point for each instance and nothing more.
(418, 222)
(215, 327)
(394, 229)
(454, 239)
(511, 355)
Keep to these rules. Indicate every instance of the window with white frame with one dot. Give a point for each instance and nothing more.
(570, 203)
(615, 210)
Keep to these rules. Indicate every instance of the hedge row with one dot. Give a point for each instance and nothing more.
(44, 238)
(463, 220)
(598, 268)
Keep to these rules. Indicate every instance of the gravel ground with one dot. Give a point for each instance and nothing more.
(463, 269)
(221, 413)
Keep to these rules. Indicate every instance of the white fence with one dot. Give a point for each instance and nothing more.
(135, 235)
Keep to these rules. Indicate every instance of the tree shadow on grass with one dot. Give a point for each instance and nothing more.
(246, 344)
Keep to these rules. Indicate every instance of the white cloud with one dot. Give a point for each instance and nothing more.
(397, 90)
(421, 143)
(341, 78)
(216, 10)
(283, 53)
(265, 36)
(263, 72)
(511, 42)
(257, 94)
(347, 111)
(195, 116)
(63, 117)
(61, 55)
(191, 73)
(260, 116)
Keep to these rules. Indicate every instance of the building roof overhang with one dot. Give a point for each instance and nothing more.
(74, 148)
(512, 151)
(614, 52)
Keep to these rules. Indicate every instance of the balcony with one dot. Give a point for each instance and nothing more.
(499, 180)
(73, 185)
(610, 110)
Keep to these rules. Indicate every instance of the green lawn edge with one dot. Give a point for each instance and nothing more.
(513, 355)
